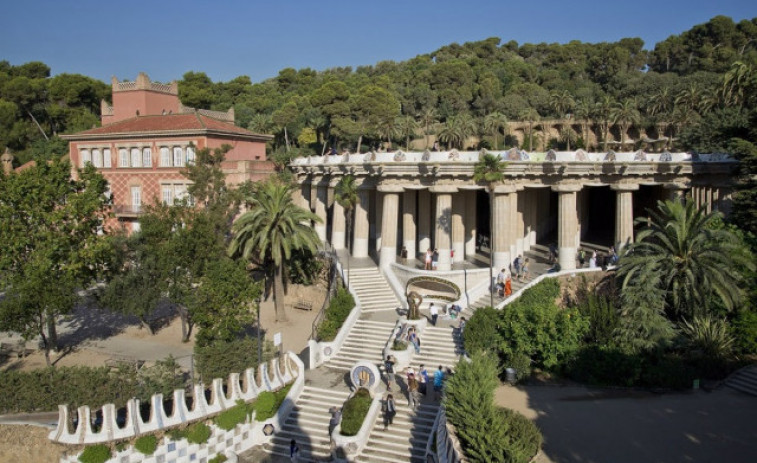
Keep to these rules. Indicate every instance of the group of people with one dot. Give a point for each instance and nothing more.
(417, 385)
(598, 260)
(431, 260)
(519, 270)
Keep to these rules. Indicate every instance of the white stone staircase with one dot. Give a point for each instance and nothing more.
(372, 289)
(405, 439)
(744, 380)
(365, 341)
(439, 346)
(308, 424)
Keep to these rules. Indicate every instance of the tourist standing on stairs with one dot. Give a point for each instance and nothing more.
(438, 383)
(429, 255)
(524, 272)
(389, 372)
(508, 284)
(336, 417)
(294, 450)
(434, 310)
(423, 379)
(389, 411)
(413, 396)
(435, 259)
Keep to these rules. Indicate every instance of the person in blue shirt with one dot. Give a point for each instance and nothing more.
(438, 382)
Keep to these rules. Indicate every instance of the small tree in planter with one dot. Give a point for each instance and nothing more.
(355, 411)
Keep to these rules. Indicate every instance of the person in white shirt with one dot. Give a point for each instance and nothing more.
(434, 313)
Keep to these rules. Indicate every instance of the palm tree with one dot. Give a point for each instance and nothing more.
(660, 107)
(428, 117)
(494, 123)
(567, 134)
(680, 118)
(583, 115)
(261, 123)
(692, 260)
(736, 83)
(466, 126)
(625, 114)
(603, 113)
(406, 127)
(561, 102)
(345, 193)
(449, 133)
(270, 231)
(490, 170)
(388, 129)
(530, 115)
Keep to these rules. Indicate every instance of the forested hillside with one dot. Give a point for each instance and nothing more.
(458, 93)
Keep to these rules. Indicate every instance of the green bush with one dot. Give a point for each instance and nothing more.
(522, 365)
(303, 267)
(99, 453)
(336, 313)
(267, 403)
(605, 366)
(745, 332)
(198, 433)
(220, 458)
(482, 331)
(146, 444)
(603, 318)
(355, 411)
(220, 358)
(399, 345)
(235, 415)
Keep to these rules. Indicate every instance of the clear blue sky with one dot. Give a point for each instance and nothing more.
(228, 38)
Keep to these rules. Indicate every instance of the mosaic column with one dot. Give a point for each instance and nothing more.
(567, 224)
(389, 226)
(443, 219)
(458, 229)
(624, 214)
(360, 242)
(470, 223)
(409, 231)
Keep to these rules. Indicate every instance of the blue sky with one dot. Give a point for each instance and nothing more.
(228, 38)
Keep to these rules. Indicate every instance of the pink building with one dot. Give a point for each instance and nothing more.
(148, 137)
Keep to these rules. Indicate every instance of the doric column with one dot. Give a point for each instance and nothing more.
(676, 191)
(378, 216)
(513, 226)
(408, 223)
(520, 226)
(501, 226)
(338, 226)
(533, 211)
(567, 225)
(320, 210)
(389, 226)
(360, 242)
(470, 223)
(443, 219)
(458, 230)
(624, 213)
(424, 221)
(708, 199)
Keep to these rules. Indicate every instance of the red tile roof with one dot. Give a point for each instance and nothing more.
(166, 123)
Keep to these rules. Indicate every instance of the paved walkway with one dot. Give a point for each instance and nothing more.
(618, 426)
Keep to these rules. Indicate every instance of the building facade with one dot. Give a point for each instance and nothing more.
(148, 138)
(430, 201)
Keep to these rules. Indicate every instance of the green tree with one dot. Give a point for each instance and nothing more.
(490, 170)
(603, 114)
(50, 245)
(494, 123)
(625, 114)
(268, 233)
(407, 126)
(694, 263)
(429, 117)
(531, 116)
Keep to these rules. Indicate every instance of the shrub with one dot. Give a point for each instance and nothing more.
(198, 433)
(603, 318)
(99, 453)
(707, 337)
(605, 366)
(355, 411)
(303, 267)
(745, 331)
(399, 345)
(235, 415)
(220, 458)
(522, 365)
(268, 403)
(482, 331)
(337, 312)
(219, 359)
(146, 444)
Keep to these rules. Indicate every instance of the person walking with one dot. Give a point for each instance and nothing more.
(389, 372)
(524, 272)
(413, 395)
(429, 254)
(423, 379)
(336, 418)
(501, 283)
(508, 284)
(389, 411)
(414, 340)
(294, 450)
(516, 267)
(434, 310)
(435, 259)
(438, 383)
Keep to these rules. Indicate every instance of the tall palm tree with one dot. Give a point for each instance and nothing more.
(262, 123)
(428, 117)
(494, 123)
(490, 170)
(625, 114)
(449, 133)
(681, 117)
(603, 114)
(660, 108)
(583, 115)
(561, 102)
(736, 83)
(531, 116)
(345, 193)
(406, 127)
(466, 127)
(270, 231)
(693, 261)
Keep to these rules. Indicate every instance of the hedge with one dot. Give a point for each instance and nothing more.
(268, 403)
(99, 453)
(146, 444)
(235, 415)
(220, 458)
(220, 358)
(198, 433)
(355, 411)
(336, 313)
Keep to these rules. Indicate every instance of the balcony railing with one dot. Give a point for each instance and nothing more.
(128, 211)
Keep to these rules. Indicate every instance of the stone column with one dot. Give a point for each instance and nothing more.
(501, 226)
(305, 192)
(624, 214)
(389, 225)
(379, 215)
(320, 211)
(676, 191)
(708, 199)
(424, 221)
(470, 223)
(513, 226)
(338, 227)
(520, 226)
(458, 230)
(567, 225)
(360, 242)
(408, 223)
(443, 219)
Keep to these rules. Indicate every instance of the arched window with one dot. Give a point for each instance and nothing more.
(106, 158)
(146, 157)
(85, 157)
(123, 157)
(136, 158)
(165, 157)
(178, 156)
(97, 158)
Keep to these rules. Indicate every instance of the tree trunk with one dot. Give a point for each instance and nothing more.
(286, 138)
(37, 124)
(52, 332)
(359, 142)
(45, 346)
(530, 138)
(278, 294)
(186, 322)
